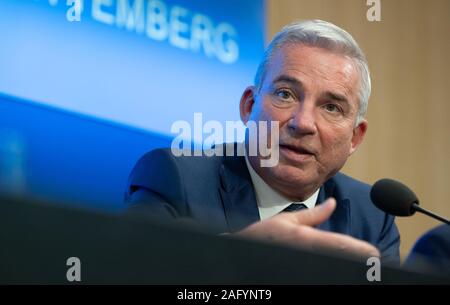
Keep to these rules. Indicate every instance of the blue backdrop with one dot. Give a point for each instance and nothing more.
(82, 100)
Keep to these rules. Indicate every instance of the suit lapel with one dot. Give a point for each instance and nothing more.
(241, 209)
(340, 220)
(237, 193)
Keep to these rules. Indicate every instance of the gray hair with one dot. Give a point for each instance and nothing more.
(327, 36)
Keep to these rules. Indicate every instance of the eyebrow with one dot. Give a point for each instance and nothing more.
(288, 79)
(336, 96)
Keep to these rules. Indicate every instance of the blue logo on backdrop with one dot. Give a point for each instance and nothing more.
(160, 21)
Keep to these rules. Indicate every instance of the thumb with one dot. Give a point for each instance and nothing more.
(318, 214)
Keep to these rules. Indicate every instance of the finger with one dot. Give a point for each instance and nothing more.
(317, 240)
(317, 215)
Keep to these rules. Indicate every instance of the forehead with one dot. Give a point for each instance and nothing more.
(315, 67)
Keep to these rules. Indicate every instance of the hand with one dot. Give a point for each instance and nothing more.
(296, 229)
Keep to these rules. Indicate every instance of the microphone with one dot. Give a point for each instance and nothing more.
(397, 199)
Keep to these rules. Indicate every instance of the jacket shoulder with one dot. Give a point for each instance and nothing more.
(161, 167)
(350, 187)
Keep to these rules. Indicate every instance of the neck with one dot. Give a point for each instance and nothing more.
(290, 190)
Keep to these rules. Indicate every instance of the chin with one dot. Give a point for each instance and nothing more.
(290, 175)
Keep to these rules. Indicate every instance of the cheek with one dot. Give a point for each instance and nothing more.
(339, 144)
(264, 110)
(335, 138)
(282, 115)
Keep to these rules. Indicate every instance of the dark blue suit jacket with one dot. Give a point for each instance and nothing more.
(431, 252)
(218, 192)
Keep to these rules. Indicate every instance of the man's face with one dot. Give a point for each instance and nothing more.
(313, 93)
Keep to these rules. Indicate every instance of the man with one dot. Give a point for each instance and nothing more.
(314, 81)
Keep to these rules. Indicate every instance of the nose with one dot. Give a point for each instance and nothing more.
(303, 121)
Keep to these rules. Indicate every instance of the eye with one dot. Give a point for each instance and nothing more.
(284, 94)
(332, 108)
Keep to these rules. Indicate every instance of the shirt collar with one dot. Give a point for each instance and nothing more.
(270, 202)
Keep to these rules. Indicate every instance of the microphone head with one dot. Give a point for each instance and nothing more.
(393, 197)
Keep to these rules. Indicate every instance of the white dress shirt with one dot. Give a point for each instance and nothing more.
(270, 202)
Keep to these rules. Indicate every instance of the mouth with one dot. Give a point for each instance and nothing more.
(296, 153)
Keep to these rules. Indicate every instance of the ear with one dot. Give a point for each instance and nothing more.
(246, 103)
(358, 135)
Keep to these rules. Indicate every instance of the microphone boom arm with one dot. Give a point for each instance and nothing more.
(417, 208)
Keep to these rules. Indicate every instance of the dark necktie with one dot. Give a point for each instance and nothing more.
(295, 207)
